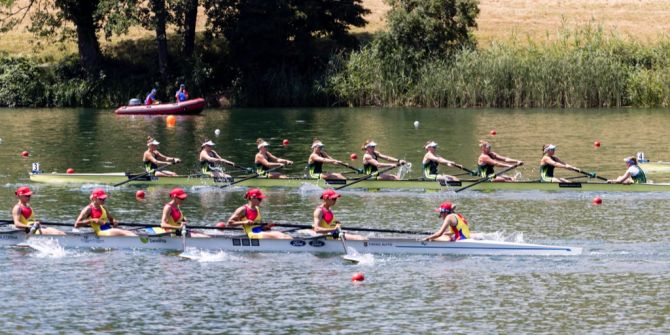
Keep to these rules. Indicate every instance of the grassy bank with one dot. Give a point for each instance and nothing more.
(582, 68)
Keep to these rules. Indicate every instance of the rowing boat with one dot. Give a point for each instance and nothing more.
(312, 245)
(114, 178)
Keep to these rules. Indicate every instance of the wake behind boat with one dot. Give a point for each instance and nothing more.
(389, 246)
(294, 182)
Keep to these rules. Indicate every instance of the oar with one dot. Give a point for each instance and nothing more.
(127, 224)
(353, 168)
(459, 166)
(487, 178)
(143, 174)
(347, 257)
(367, 177)
(242, 168)
(589, 174)
(394, 231)
(256, 175)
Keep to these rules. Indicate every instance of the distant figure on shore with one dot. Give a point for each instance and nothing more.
(182, 94)
(151, 98)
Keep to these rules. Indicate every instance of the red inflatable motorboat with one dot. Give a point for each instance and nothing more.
(188, 107)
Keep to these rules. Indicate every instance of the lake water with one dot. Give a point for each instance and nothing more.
(619, 285)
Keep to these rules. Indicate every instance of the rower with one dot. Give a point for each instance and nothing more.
(265, 161)
(634, 174)
(431, 161)
(549, 162)
(371, 163)
(208, 162)
(173, 219)
(152, 159)
(488, 160)
(23, 215)
(249, 218)
(454, 226)
(316, 160)
(324, 220)
(99, 218)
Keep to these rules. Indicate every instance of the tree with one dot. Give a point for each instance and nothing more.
(422, 29)
(186, 17)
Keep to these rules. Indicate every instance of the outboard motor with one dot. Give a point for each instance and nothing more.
(134, 102)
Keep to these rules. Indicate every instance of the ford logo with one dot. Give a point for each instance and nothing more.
(317, 243)
(298, 243)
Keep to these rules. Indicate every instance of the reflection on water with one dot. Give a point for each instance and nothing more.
(619, 284)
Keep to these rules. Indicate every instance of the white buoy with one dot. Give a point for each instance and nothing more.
(416, 124)
(217, 132)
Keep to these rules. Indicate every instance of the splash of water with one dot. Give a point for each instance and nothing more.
(204, 256)
(362, 259)
(46, 248)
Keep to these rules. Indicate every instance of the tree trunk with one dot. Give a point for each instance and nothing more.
(190, 19)
(81, 14)
(161, 36)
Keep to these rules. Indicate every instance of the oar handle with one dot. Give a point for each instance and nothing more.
(350, 167)
(256, 175)
(145, 174)
(487, 178)
(242, 168)
(396, 231)
(368, 177)
(460, 166)
(592, 175)
(127, 224)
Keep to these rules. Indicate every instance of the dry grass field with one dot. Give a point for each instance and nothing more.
(644, 20)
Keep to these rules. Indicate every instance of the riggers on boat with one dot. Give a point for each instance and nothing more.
(312, 245)
(419, 184)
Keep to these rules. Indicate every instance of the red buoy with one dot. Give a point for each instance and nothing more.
(596, 144)
(221, 225)
(171, 120)
(353, 157)
(69, 171)
(285, 142)
(493, 132)
(25, 153)
(139, 195)
(597, 201)
(358, 276)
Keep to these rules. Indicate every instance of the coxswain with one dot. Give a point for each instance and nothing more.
(634, 174)
(249, 218)
(431, 161)
(98, 217)
(371, 162)
(316, 160)
(173, 219)
(24, 217)
(182, 94)
(488, 160)
(548, 162)
(454, 226)
(266, 161)
(210, 160)
(325, 222)
(152, 159)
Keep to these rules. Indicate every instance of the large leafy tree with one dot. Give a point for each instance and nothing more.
(423, 29)
(287, 36)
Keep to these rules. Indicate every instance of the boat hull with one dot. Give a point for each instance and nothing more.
(114, 178)
(188, 107)
(310, 245)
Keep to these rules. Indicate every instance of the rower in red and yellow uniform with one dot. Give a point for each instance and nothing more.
(173, 219)
(249, 218)
(454, 226)
(24, 217)
(324, 219)
(371, 162)
(317, 159)
(97, 216)
(266, 161)
(488, 160)
(152, 159)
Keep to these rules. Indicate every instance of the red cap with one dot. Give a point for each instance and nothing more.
(23, 190)
(446, 207)
(98, 193)
(254, 193)
(178, 193)
(329, 194)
